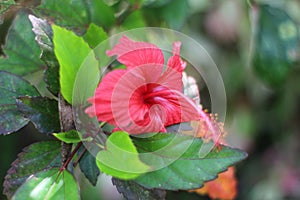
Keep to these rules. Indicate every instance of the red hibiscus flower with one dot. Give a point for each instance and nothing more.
(147, 95)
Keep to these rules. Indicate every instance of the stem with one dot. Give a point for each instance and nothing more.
(66, 124)
(75, 163)
(72, 154)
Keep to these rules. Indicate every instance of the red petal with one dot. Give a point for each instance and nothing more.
(175, 62)
(172, 76)
(102, 101)
(133, 54)
(177, 107)
(171, 79)
(152, 122)
(133, 114)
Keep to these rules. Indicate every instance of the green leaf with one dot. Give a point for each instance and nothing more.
(77, 14)
(49, 185)
(120, 158)
(159, 11)
(94, 35)
(276, 45)
(69, 137)
(11, 119)
(13, 87)
(155, 3)
(43, 32)
(87, 79)
(175, 21)
(42, 112)
(21, 50)
(89, 168)
(44, 37)
(134, 20)
(34, 158)
(68, 13)
(132, 190)
(100, 13)
(71, 51)
(176, 163)
(51, 74)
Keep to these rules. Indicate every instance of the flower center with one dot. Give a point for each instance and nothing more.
(154, 93)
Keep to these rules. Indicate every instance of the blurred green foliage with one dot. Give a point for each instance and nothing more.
(255, 44)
